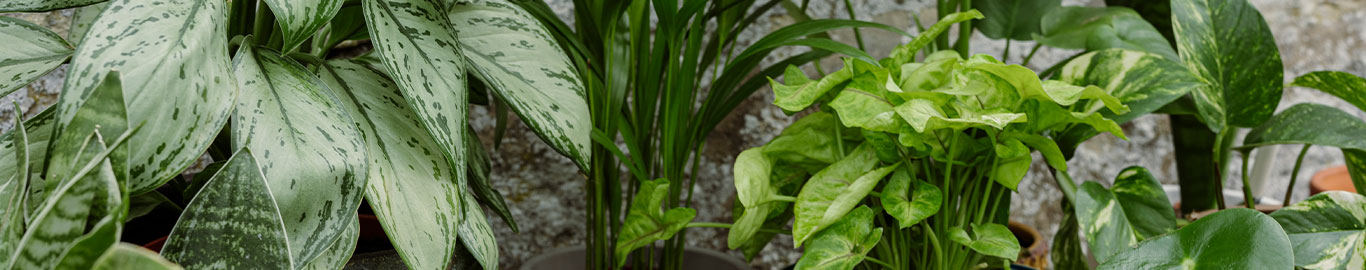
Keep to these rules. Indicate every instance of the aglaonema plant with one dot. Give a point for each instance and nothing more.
(297, 137)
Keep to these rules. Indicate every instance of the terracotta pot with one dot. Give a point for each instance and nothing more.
(1033, 252)
(156, 245)
(1332, 178)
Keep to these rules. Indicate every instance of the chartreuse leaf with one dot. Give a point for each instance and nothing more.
(235, 209)
(1018, 20)
(518, 58)
(925, 115)
(411, 187)
(30, 52)
(42, 5)
(844, 244)
(1316, 124)
(865, 109)
(835, 190)
(752, 171)
(1100, 28)
(299, 19)
(800, 92)
(906, 52)
(176, 79)
(1143, 81)
(1237, 238)
(1103, 222)
(1228, 45)
(61, 220)
(1346, 86)
(646, 222)
(1327, 230)
(809, 142)
(910, 206)
(1145, 203)
(103, 110)
(751, 219)
(310, 151)
(989, 239)
(129, 256)
(339, 252)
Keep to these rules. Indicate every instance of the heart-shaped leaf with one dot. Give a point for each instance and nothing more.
(646, 222)
(1228, 45)
(1327, 230)
(1103, 222)
(235, 209)
(1145, 203)
(844, 244)
(31, 51)
(907, 206)
(1099, 28)
(1237, 238)
(835, 190)
(989, 239)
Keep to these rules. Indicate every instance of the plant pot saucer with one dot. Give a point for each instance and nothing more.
(572, 258)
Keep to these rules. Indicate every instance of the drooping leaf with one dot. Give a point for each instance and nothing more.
(30, 52)
(411, 187)
(236, 210)
(1103, 222)
(1100, 28)
(1327, 230)
(81, 21)
(42, 5)
(299, 19)
(414, 40)
(646, 222)
(1228, 45)
(129, 256)
(1145, 203)
(516, 56)
(176, 80)
(476, 235)
(1237, 238)
(844, 244)
(834, 191)
(1143, 81)
(910, 206)
(310, 151)
(1018, 19)
(1346, 86)
(479, 168)
(752, 169)
(61, 219)
(337, 254)
(989, 239)
(746, 226)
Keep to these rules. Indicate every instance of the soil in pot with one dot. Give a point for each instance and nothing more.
(572, 258)
(1332, 178)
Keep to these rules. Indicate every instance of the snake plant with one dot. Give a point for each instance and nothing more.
(298, 137)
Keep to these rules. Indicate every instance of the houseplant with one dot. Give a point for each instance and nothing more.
(300, 139)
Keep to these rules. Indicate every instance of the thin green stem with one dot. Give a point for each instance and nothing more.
(1030, 56)
(858, 35)
(934, 242)
(263, 25)
(781, 198)
(1005, 53)
(1295, 173)
(1247, 182)
(884, 264)
(964, 32)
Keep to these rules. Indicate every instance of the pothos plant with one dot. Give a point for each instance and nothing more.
(297, 139)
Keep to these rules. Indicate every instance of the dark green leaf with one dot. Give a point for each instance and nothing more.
(232, 219)
(1014, 19)
(1099, 28)
(1327, 230)
(1237, 238)
(1341, 84)
(1103, 222)
(1227, 44)
(1310, 123)
(1145, 203)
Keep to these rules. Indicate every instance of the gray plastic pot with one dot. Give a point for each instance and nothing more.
(572, 258)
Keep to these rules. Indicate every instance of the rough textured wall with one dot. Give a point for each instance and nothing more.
(545, 191)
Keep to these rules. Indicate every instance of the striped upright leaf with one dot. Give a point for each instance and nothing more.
(104, 111)
(1142, 81)
(174, 63)
(1327, 230)
(307, 146)
(232, 223)
(1227, 44)
(42, 5)
(61, 221)
(299, 19)
(411, 187)
(415, 42)
(517, 56)
(336, 255)
(30, 51)
(39, 130)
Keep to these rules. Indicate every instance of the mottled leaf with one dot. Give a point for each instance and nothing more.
(865, 109)
(81, 21)
(1103, 222)
(835, 190)
(646, 222)
(61, 220)
(1237, 238)
(1066, 252)
(988, 239)
(39, 133)
(30, 52)
(310, 151)
(129, 256)
(1346, 86)
(42, 5)
(90, 247)
(1100, 28)
(1143, 81)
(102, 111)
(476, 235)
(1228, 45)
(516, 56)
(1017, 19)
(235, 210)
(1310, 123)
(844, 244)
(336, 256)
(1328, 230)
(299, 19)
(907, 206)
(800, 92)
(1145, 203)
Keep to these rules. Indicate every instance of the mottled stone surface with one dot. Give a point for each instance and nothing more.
(545, 191)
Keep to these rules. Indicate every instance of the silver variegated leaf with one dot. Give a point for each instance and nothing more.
(61, 221)
(516, 56)
(476, 234)
(1228, 45)
(82, 19)
(30, 51)
(42, 5)
(174, 65)
(232, 223)
(308, 148)
(299, 19)
(410, 186)
(336, 256)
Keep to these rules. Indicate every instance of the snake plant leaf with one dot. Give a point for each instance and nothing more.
(411, 186)
(800, 92)
(339, 252)
(1144, 202)
(479, 168)
(1316, 124)
(835, 190)
(90, 247)
(907, 206)
(176, 80)
(476, 235)
(989, 239)
(844, 244)
(61, 220)
(234, 209)
(43, 5)
(1346, 86)
(31, 52)
(81, 20)
(129, 256)
(1100, 28)
(415, 42)
(300, 19)
(646, 222)
(1066, 252)
(1018, 20)
(752, 169)
(1143, 81)
(518, 58)
(1327, 230)
(1228, 45)
(38, 131)
(1103, 222)
(103, 110)
(308, 155)
(1237, 238)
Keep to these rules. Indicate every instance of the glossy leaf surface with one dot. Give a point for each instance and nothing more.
(1143, 81)
(1018, 20)
(1228, 45)
(1145, 203)
(1346, 86)
(1327, 230)
(1103, 222)
(1100, 28)
(1236, 238)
